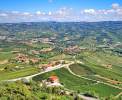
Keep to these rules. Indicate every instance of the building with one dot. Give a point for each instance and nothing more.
(22, 58)
(46, 66)
(53, 79)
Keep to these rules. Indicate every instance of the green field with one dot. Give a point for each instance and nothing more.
(75, 83)
(5, 55)
(80, 69)
(88, 71)
(101, 58)
(16, 74)
(20, 91)
(96, 61)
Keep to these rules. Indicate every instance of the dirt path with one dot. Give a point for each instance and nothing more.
(4, 62)
(109, 80)
(79, 75)
(120, 94)
(93, 79)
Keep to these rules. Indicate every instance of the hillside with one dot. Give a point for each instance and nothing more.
(111, 31)
(79, 84)
(85, 59)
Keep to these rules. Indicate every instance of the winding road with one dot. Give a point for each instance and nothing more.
(93, 79)
(58, 67)
(47, 70)
(68, 68)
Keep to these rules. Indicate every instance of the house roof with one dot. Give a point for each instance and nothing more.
(53, 77)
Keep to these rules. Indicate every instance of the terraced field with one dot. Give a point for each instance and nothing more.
(102, 58)
(16, 74)
(80, 69)
(98, 62)
(5, 56)
(76, 83)
(94, 64)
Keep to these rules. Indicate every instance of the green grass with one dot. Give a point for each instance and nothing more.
(75, 83)
(96, 60)
(33, 91)
(104, 90)
(100, 58)
(41, 45)
(109, 73)
(56, 97)
(5, 55)
(80, 69)
(89, 72)
(8, 47)
(62, 56)
(16, 74)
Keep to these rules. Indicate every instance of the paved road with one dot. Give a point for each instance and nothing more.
(58, 67)
(81, 95)
(120, 94)
(86, 98)
(48, 70)
(67, 66)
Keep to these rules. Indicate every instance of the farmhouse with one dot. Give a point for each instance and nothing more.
(25, 59)
(45, 66)
(49, 65)
(52, 81)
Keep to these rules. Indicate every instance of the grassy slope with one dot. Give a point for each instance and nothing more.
(101, 58)
(19, 73)
(81, 69)
(95, 61)
(20, 91)
(5, 55)
(49, 96)
(75, 83)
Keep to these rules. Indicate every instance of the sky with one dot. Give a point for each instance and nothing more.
(12, 11)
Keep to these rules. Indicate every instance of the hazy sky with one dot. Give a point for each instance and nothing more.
(60, 10)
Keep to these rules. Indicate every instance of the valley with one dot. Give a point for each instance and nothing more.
(83, 58)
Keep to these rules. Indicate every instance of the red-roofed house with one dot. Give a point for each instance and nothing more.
(53, 79)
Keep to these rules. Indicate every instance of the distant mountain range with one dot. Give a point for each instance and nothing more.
(100, 32)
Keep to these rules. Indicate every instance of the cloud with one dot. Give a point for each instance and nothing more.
(38, 13)
(113, 14)
(3, 14)
(49, 13)
(64, 14)
(15, 12)
(64, 11)
(26, 13)
(115, 6)
(89, 11)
